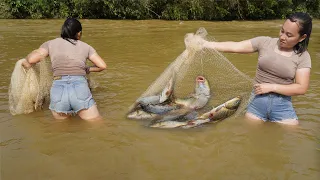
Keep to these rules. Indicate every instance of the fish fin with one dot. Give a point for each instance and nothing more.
(219, 107)
(168, 90)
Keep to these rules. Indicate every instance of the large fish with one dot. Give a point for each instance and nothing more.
(218, 113)
(165, 95)
(164, 107)
(200, 98)
(174, 119)
(221, 112)
(165, 102)
(145, 106)
(168, 124)
(139, 114)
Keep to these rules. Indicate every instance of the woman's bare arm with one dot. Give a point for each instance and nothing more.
(230, 46)
(34, 57)
(99, 64)
(300, 86)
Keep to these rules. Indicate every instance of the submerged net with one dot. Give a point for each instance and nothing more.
(225, 80)
(29, 89)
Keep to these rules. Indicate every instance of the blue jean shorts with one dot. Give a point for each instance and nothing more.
(70, 94)
(272, 107)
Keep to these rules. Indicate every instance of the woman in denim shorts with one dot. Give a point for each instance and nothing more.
(283, 69)
(70, 93)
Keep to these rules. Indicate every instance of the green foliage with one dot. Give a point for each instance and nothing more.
(4, 10)
(163, 9)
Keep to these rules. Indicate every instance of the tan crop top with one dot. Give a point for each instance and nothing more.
(274, 67)
(68, 58)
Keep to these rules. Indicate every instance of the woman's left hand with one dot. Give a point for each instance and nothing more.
(263, 88)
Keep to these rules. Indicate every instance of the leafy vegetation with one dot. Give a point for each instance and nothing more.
(158, 9)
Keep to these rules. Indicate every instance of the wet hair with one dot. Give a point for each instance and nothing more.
(304, 22)
(70, 28)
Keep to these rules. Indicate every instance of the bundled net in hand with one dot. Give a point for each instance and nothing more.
(225, 80)
(29, 89)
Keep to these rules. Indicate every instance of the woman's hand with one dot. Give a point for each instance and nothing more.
(207, 44)
(25, 64)
(264, 88)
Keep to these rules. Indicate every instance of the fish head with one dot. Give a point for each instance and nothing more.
(225, 110)
(233, 103)
(141, 115)
(220, 113)
(202, 86)
(133, 115)
(157, 124)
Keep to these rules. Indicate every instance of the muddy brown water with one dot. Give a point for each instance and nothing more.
(35, 146)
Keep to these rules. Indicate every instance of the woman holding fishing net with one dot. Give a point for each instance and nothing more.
(70, 92)
(283, 69)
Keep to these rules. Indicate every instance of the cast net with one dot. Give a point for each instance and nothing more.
(225, 80)
(29, 89)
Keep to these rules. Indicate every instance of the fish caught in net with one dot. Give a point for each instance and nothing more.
(169, 98)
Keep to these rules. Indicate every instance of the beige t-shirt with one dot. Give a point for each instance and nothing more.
(68, 58)
(276, 68)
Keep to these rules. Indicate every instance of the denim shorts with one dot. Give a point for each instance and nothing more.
(70, 94)
(272, 107)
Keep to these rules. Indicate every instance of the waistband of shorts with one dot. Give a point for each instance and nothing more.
(274, 94)
(69, 77)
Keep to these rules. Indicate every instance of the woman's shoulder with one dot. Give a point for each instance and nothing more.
(303, 60)
(305, 55)
(55, 40)
(49, 43)
(262, 39)
(260, 42)
(270, 41)
(83, 44)
(274, 40)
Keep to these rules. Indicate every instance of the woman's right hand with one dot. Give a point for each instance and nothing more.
(25, 64)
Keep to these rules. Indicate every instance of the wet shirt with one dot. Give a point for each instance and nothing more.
(276, 68)
(68, 58)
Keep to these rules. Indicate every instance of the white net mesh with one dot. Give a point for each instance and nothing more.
(225, 80)
(29, 89)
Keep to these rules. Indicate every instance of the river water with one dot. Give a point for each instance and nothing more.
(35, 146)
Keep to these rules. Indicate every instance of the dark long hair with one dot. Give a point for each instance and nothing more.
(70, 28)
(304, 22)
